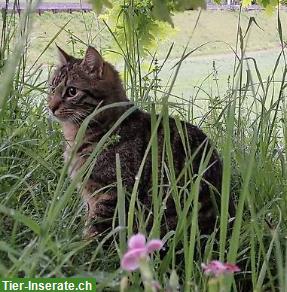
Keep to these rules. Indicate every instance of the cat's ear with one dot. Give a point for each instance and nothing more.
(94, 61)
(63, 56)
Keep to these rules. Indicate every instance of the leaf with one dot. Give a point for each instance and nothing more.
(270, 9)
(160, 11)
(198, 4)
(251, 20)
(246, 3)
(173, 281)
(190, 4)
(99, 4)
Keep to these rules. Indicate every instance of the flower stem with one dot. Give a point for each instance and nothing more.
(147, 276)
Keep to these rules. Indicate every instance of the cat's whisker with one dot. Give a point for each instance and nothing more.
(75, 119)
(84, 112)
(82, 115)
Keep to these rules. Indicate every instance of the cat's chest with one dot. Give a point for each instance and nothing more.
(76, 161)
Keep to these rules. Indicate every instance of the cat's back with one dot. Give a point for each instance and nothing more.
(132, 137)
(185, 140)
(129, 141)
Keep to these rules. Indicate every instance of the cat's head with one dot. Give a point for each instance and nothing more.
(78, 86)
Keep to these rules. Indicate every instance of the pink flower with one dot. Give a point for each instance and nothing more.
(217, 268)
(137, 249)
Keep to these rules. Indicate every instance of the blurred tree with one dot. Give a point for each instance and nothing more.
(163, 9)
(160, 9)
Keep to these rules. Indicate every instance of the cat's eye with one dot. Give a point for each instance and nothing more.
(71, 91)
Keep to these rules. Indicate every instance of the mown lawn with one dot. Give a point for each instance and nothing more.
(216, 29)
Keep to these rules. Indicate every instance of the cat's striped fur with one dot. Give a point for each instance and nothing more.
(77, 88)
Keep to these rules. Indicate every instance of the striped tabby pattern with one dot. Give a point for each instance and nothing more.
(78, 86)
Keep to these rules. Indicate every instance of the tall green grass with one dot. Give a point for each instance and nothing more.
(41, 212)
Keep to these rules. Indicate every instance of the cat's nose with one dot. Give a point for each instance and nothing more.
(54, 103)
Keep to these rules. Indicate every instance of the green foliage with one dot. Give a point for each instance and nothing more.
(99, 4)
(269, 5)
(133, 24)
(121, 16)
(163, 9)
(157, 9)
(134, 32)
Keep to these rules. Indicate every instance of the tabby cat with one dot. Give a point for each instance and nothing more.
(78, 86)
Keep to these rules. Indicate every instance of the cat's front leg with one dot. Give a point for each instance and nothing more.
(100, 213)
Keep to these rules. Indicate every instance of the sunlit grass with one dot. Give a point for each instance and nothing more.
(245, 115)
